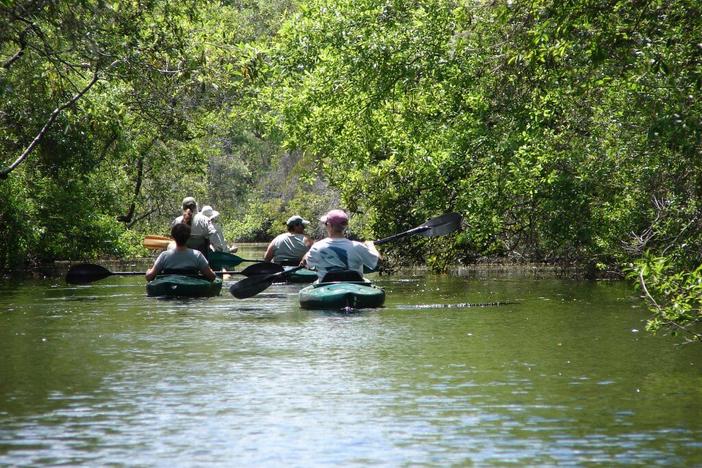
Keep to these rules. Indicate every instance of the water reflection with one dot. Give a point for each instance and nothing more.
(101, 375)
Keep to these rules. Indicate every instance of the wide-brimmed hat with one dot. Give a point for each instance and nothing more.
(336, 217)
(208, 211)
(295, 220)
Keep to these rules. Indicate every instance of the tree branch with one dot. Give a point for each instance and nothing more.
(54, 115)
(20, 52)
(144, 216)
(127, 219)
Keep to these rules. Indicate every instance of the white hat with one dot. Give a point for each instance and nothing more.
(293, 220)
(209, 212)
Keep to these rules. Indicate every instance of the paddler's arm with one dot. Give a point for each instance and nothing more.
(208, 273)
(155, 268)
(268, 257)
(150, 273)
(372, 249)
(303, 262)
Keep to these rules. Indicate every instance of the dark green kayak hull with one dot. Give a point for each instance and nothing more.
(301, 276)
(337, 295)
(183, 286)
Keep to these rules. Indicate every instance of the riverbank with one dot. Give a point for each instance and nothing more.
(482, 268)
(59, 268)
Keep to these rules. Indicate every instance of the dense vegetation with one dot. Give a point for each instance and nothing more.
(563, 132)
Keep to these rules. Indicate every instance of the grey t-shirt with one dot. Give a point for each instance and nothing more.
(180, 260)
(289, 247)
(201, 231)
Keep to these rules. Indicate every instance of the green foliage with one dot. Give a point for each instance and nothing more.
(264, 215)
(558, 129)
(74, 229)
(156, 125)
(509, 113)
(674, 296)
(565, 132)
(17, 212)
(255, 224)
(130, 244)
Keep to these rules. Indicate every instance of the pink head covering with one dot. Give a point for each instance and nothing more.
(336, 217)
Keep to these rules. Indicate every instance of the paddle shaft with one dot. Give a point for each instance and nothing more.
(88, 273)
(137, 273)
(400, 235)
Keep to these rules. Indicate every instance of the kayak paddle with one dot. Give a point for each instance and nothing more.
(439, 226)
(226, 259)
(251, 286)
(157, 242)
(87, 272)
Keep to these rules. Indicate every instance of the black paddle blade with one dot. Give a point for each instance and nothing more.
(86, 273)
(439, 226)
(226, 260)
(223, 260)
(442, 225)
(249, 287)
(263, 268)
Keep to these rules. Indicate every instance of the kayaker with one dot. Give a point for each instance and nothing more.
(203, 233)
(188, 203)
(335, 252)
(289, 248)
(182, 257)
(213, 216)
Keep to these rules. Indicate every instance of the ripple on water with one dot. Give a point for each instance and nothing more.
(125, 379)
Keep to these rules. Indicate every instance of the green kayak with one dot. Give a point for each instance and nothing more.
(301, 276)
(183, 286)
(340, 294)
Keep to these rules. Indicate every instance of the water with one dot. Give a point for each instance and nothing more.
(100, 375)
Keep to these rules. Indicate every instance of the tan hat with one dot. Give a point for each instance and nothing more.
(189, 201)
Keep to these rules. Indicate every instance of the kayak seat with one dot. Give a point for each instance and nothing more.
(341, 275)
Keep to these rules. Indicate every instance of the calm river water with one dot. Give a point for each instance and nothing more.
(566, 375)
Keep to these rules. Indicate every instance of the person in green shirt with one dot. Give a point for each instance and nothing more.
(181, 258)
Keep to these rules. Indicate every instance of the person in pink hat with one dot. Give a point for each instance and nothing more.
(335, 252)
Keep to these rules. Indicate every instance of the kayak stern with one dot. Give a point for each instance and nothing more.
(183, 286)
(342, 294)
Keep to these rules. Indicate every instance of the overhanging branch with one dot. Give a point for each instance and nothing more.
(54, 115)
(23, 45)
